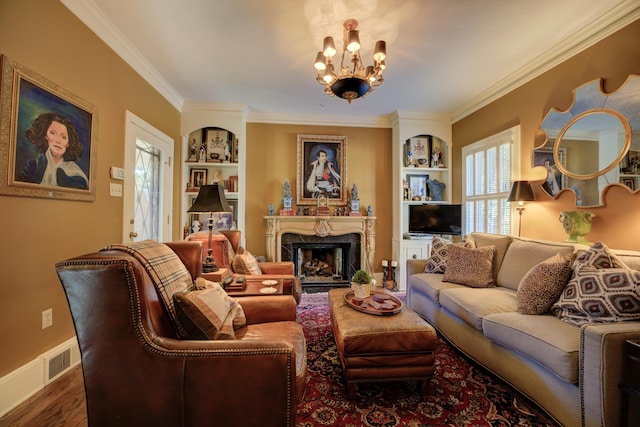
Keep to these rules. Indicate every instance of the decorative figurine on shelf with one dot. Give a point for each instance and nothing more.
(217, 176)
(203, 153)
(369, 210)
(287, 200)
(193, 151)
(271, 209)
(195, 226)
(355, 201)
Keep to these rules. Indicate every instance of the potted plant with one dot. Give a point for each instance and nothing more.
(361, 284)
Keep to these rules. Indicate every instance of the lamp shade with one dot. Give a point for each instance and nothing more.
(210, 199)
(520, 192)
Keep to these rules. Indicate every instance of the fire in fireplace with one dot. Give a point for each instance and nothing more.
(322, 262)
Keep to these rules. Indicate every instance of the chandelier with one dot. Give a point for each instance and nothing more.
(351, 82)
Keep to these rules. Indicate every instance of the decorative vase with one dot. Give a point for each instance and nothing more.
(361, 290)
(577, 224)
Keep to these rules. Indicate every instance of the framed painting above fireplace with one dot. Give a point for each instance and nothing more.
(322, 169)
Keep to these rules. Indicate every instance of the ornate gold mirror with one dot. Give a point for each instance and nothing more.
(588, 145)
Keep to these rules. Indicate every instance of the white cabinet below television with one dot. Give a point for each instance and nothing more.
(412, 249)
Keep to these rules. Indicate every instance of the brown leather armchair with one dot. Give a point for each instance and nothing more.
(270, 270)
(137, 371)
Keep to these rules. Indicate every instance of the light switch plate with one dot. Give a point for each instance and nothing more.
(115, 190)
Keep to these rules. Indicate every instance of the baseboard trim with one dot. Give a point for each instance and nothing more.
(27, 380)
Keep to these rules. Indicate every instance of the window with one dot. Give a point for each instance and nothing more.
(487, 175)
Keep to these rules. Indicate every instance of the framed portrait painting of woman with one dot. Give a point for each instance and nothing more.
(322, 169)
(51, 133)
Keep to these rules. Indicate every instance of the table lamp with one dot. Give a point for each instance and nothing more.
(210, 199)
(520, 192)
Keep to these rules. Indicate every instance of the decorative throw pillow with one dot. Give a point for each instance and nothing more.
(543, 284)
(209, 313)
(437, 262)
(245, 263)
(602, 289)
(470, 266)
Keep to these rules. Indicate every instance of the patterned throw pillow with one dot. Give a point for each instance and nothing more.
(437, 262)
(543, 284)
(602, 289)
(209, 314)
(245, 263)
(470, 266)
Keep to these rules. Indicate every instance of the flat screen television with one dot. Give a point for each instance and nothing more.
(435, 219)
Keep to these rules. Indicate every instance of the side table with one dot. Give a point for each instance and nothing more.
(631, 385)
(253, 288)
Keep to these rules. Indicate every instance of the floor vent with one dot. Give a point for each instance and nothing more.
(58, 364)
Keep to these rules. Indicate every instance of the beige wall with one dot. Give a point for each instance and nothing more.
(36, 233)
(613, 59)
(45, 37)
(271, 158)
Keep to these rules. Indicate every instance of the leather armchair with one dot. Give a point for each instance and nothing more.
(270, 270)
(137, 371)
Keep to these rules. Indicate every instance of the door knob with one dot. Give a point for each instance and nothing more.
(133, 234)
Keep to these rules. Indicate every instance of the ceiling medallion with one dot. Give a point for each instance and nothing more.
(357, 81)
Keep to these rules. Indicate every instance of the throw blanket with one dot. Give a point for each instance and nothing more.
(166, 270)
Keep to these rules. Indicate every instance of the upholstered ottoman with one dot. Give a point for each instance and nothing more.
(374, 348)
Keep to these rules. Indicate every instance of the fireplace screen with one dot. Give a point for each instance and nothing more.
(322, 261)
(322, 264)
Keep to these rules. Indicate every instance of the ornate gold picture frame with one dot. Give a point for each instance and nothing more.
(322, 169)
(51, 138)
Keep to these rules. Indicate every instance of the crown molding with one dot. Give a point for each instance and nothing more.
(102, 26)
(319, 119)
(617, 18)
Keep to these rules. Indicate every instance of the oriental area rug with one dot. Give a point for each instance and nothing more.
(461, 392)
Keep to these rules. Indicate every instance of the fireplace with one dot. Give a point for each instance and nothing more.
(322, 261)
(345, 244)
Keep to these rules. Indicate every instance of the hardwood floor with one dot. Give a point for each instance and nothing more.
(61, 403)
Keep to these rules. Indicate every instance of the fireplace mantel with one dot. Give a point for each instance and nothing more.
(322, 226)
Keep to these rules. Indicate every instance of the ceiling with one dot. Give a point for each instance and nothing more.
(443, 56)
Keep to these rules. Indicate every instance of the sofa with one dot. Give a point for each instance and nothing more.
(572, 372)
(226, 249)
(140, 369)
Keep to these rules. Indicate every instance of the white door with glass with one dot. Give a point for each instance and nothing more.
(148, 189)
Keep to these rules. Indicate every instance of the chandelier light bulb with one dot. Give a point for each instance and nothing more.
(328, 75)
(353, 41)
(320, 65)
(380, 52)
(329, 48)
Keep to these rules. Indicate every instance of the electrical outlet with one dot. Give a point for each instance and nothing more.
(47, 318)
(115, 189)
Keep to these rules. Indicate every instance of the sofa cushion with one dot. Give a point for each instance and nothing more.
(245, 263)
(209, 313)
(523, 255)
(470, 266)
(472, 305)
(602, 289)
(165, 269)
(544, 339)
(430, 284)
(437, 262)
(543, 284)
(501, 243)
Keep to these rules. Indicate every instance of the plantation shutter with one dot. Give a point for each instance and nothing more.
(487, 178)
